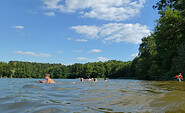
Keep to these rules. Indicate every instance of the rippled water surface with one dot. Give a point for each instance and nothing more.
(27, 95)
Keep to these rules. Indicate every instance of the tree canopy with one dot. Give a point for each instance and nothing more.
(110, 69)
(161, 54)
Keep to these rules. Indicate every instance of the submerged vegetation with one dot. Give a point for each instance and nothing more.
(161, 54)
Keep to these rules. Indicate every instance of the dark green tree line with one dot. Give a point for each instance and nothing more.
(110, 69)
(162, 53)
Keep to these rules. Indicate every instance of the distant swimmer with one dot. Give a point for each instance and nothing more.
(179, 77)
(95, 80)
(82, 79)
(105, 79)
(49, 80)
(89, 79)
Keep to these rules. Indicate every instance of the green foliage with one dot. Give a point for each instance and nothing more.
(110, 69)
(142, 66)
(162, 53)
(4, 69)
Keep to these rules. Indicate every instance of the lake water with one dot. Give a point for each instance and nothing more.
(117, 95)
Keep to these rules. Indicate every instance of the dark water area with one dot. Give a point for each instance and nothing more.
(117, 95)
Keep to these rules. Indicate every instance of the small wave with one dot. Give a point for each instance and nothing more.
(30, 87)
(65, 88)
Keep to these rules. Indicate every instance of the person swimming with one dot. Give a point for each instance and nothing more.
(89, 79)
(179, 77)
(49, 80)
(82, 79)
(105, 79)
(95, 80)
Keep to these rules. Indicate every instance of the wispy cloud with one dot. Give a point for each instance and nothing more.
(69, 38)
(81, 40)
(32, 54)
(78, 51)
(83, 58)
(18, 27)
(95, 51)
(68, 64)
(103, 59)
(49, 14)
(115, 32)
(112, 10)
(60, 52)
(134, 55)
(32, 12)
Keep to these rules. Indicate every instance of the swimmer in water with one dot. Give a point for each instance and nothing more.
(89, 79)
(95, 80)
(105, 79)
(82, 79)
(179, 77)
(49, 80)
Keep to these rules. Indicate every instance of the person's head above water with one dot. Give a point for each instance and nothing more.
(47, 76)
(95, 79)
(105, 79)
(49, 80)
(82, 79)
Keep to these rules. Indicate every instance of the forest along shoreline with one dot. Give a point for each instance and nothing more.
(110, 69)
(161, 54)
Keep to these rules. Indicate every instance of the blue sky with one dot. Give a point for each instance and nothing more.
(73, 31)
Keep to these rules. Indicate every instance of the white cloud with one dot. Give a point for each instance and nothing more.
(88, 31)
(18, 27)
(49, 14)
(32, 12)
(81, 40)
(82, 58)
(68, 64)
(115, 32)
(60, 52)
(102, 59)
(69, 38)
(32, 54)
(95, 51)
(92, 60)
(134, 55)
(112, 10)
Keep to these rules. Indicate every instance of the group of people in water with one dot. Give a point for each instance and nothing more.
(92, 79)
(49, 80)
(179, 77)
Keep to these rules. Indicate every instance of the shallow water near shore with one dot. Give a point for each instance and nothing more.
(117, 95)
